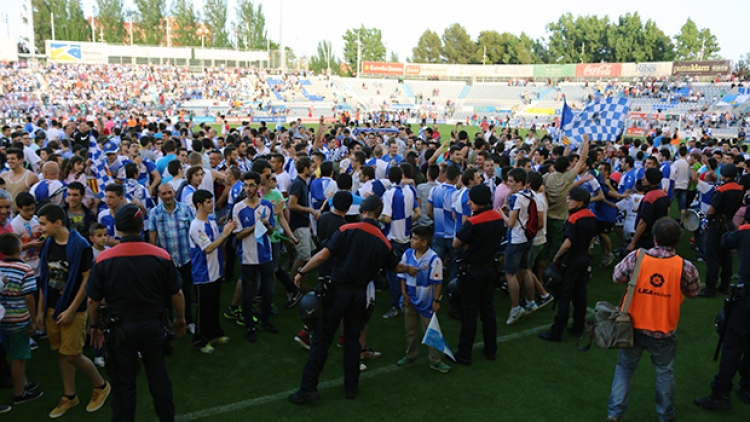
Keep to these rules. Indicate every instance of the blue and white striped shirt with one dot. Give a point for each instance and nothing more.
(399, 203)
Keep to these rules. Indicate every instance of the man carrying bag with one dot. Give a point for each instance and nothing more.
(663, 280)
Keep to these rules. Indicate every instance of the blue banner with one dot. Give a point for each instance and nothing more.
(269, 119)
(204, 119)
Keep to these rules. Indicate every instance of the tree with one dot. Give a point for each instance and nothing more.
(251, 26)
(582, 39)
(76, 27)
(110, 20)
(694, 44)
(324, 58)
(150, 28)
(371, 40)
(393, 57)
(632, 41)
(186, 23)
(429, 48)
(457, 45)
(215, 17)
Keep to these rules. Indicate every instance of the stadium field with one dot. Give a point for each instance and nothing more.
(531, 380)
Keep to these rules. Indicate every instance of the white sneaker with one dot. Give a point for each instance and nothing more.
(531, 307)
(99, 361)
(32, 344)
(191, 328)
(515, 316)
(362, 366)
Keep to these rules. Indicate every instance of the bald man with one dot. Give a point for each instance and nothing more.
(49, 188)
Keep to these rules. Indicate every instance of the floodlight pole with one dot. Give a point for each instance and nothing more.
(52, 23)
(30, 19)
(93, 31)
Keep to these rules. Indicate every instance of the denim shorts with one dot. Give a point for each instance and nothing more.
(681, 196)
(516, 257)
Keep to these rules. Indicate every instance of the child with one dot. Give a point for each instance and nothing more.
(17, 297)
(421, 294)
(65, 265)
(26, 226)
(97, 236)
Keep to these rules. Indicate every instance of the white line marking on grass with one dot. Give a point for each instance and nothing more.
(243, 404)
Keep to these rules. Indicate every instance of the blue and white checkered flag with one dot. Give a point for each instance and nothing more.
(433, 337)
(99, 167)
(602, 120)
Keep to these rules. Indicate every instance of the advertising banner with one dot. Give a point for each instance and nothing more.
(269, 119)
(211, 54)
(382, 68)
(429, 69)
(647, 69)
(554, 70)
(541, 111)
(238, 119)
(75, 52)
(702, 68)
(599, 70)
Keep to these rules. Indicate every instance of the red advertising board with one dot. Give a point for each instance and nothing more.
(636, 131)
(599, 70)
(382, 68)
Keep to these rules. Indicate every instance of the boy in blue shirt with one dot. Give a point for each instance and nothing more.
(421, 294)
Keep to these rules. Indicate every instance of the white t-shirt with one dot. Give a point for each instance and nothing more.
(283, 181)
(541, 206)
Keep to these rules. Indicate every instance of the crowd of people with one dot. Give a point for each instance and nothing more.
(440, 214)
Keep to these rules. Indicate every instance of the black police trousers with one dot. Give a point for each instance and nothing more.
(572, 290)
(477, 287)
(716, 257)
(148, 338)
(348, 305)
(735, 350)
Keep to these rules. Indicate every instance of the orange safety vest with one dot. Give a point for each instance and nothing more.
(658, 295)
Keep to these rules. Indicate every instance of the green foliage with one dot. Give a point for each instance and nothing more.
(429, 48)
(694, 44)
(251, 26)
(70, 22)
(393, 58)
(319, 63)
(457, 45)
(186, 20)
(371, 40)
(110, 20)
(215, 17)
(149, 28)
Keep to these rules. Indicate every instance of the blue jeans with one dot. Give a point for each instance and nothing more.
(443, 247)
(662, 356)
(394, 283)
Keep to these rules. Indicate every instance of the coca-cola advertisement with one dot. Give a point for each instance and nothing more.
(599, 70)
(702, 68)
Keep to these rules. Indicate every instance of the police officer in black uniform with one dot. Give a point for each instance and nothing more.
(653, 206)
(135, 279)
(477, 240)
(725, 202)
(735, 352)
(359, 251)
(573, 256)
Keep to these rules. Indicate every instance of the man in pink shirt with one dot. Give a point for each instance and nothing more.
(502, 191)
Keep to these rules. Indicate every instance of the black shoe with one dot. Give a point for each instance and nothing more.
(744, 394)
(300, 397)
(292, 299)
(250, 336)
(547, 335)
(453, 313)
(462, 360)
(490, 357)
(351, 395)
(31, 386)
(27, 396)
(574, 333)
(723, 289)
(4, 408)
(270, 328)
(714, 402)
(707, 292)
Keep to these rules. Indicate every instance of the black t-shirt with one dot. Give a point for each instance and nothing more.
(299, 189)
(481, 233)
(580, 228)
(77, 221)
(57, 272)
(328, 224)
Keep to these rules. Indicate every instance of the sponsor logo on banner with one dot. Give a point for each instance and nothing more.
(596, 70)
(702, 68)
(636, 131)
(238, 119)
(382, 68)
(269, 119)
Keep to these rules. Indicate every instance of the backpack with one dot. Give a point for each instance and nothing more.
(532, 225)
(178, 193)
(44, 201)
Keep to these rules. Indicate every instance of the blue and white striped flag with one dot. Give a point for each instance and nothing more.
(602, 120)
(433, 337)
(99, 167)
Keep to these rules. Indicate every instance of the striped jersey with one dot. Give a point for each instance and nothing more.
(441, 199)
(205, 267)
(399, 203)
(421, 287)
(253, 251)
(19, 281)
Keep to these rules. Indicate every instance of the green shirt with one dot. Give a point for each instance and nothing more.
(274, 196)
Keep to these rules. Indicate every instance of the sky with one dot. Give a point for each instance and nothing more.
(402, 22)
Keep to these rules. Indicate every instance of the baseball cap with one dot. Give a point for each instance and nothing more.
(129, 219)
(110, 147)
